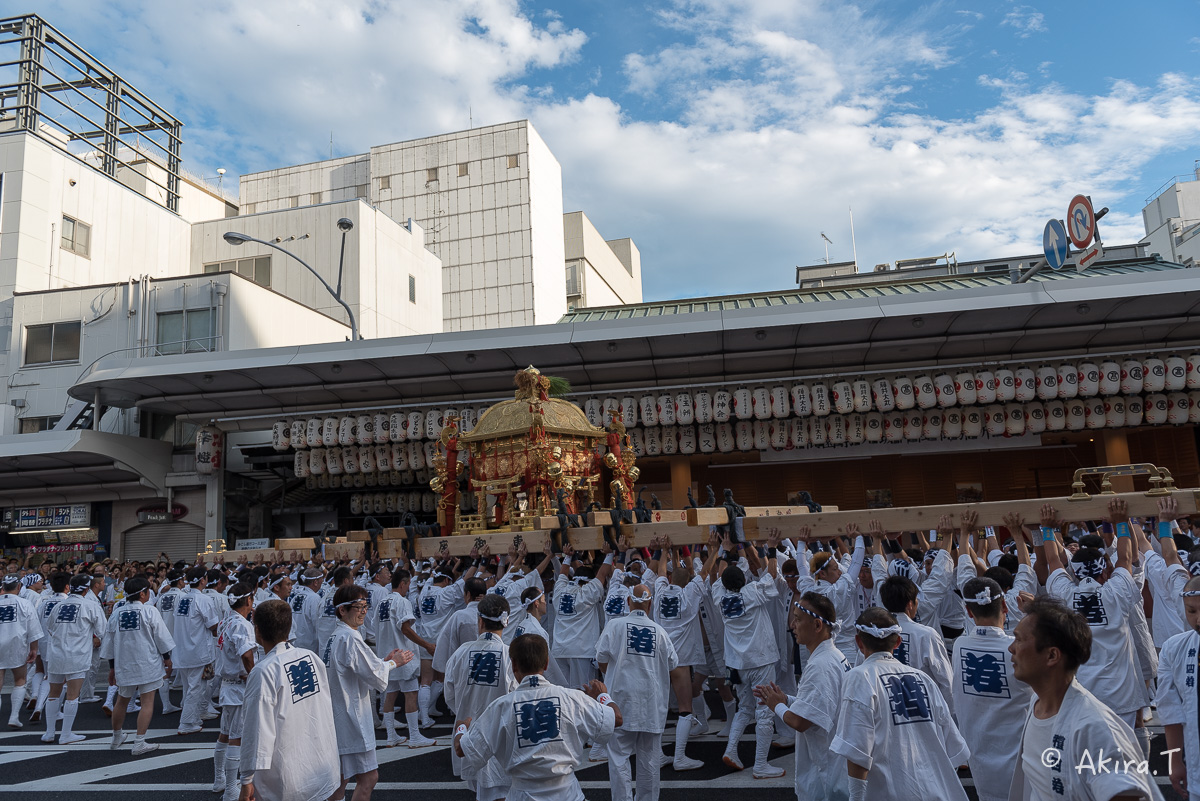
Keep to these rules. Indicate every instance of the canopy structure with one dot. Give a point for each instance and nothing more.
(81, 466)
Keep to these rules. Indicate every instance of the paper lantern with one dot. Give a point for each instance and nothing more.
(860, 391)
(329, 432)
(333, 461)
(704, 406)
(300, 465)
(985, 387)
(722, 406)
(926, 394)
(1014, 419)
(382, 426)
(1024, 385)
(666, 409)
(210, 450)
(316, 462)
(350, 460)
(1134, 410)
(467, 420)
(964, 388)
(1154, 375)
(312, 432)
(1035, 417)
(760, 403)
(347, 431)
(1114, 412)
(1047, 383)
(1131, 377)
(780, 407)
(408, 477)
(1193, 371)
(415, 500)
(364, 429)
(725, 441)
(383, 458)
(297, 434)
(855, 429)
(430, 453)
(433, 423)
(401, 502)
(397, 427)
(842, 397)
(1056, 415)
(593, 409)
(882, 394)
(995, 421)
(947, 395)
(743, 432)
(648, 410)
(801, 401)
(399, 456)
(611, 410)
(1006, 385)
(1094, 413)
(1076, 414)
(1068, 381)
(817, 434)
(416, 456)
(820, 399)
(762, 435)
(931, 424)
(1194, 407)
(685, 410)
(670, 440)
(914, 421)
(798, 432)
(389, 503)
(356, 504)
(973, 422)
(687, 438)
(1176, 373)
(281, 435)
(637, 441)
(1178, 404)
(742, 408)
(416, 425)
(836, 426)
(366, 459)
(903, 392)
(1110, 378)
(893, 426)
(1089, 380)
(874, 427)
(706, 437)
(952, 424)
(629, 411)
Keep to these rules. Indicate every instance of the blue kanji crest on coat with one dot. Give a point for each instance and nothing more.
(385, 610)
(485, 668)
(297, 603)
(984, 673)
(168, 603)
(640, 640)
(8, 614)
(1091, 606)
(67, 613)
(129, 620)
(732, 606)
(183, 607)
(302, 676)
(614, 606)
(48, 609)
(903, 651)
(328, 610)
(566, 604)
(537, 722)
(428, 605)
(668, 607)
(908, 698)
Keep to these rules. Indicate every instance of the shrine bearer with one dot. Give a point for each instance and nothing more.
(478, 673)
(894, 729)
(813, 710)
(533, 599)
(236, 654)
(991, 705)
(289, 715)
(73, 627)
(138, 648)
(354, 671)
(395, 630)
(306, 604)
(538, 731)
(576, 622)
(637, 658)
(1069, 732)
(196, 619)
(1177, 698)
(750, 649)
(20, 631)
(920, 646)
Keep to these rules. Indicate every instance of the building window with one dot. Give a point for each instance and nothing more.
(32, 425)
(412, 289)
(314, 198)
(514, 162)
(256, 268)
(52, 344)
(385, 182)
(362, 190)
(431, 174)
(462, 170)
(189, 331)
(294, 201)
(76, 236)
(573, 289)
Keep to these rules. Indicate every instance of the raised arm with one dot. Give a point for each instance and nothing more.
(1118, 515)
(1168, 512)
(1047, 542)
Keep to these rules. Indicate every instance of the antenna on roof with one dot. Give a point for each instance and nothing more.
(827, 244)
(853, 243)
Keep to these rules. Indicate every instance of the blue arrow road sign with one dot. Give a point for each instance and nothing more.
(1054, 243)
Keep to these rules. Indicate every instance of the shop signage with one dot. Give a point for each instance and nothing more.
(28, 517)
(161, 514)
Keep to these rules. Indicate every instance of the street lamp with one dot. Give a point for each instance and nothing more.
(345, 226)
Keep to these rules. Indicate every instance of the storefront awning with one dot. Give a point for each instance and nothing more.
(80, 466)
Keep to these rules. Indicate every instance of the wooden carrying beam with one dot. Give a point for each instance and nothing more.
(497, 541)
(718, 516)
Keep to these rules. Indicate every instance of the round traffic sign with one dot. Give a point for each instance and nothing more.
(1054, 244)
(1081, 221)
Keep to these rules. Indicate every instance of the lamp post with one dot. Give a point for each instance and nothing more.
(344, 225)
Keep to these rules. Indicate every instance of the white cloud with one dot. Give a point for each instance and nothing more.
(1026, 20)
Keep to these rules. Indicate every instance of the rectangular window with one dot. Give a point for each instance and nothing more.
(256, 268)
(32, 425)
(573, 280)
(363, 191)
(294, 201)
(431, 174)
(314, 198)
(189, 331)
(462, 170)
(53, 343)
(385, 182)
(76, 236)
(412, 289)
(514, 162)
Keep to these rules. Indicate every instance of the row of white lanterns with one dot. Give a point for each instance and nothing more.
(379, 503)
(362, 481)
(398, 457)
(993, 420)
(377, 428)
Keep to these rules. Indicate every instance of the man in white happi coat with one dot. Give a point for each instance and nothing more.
(327, 617)
(637, 658)
(750, 648)
(812, 711)
(439, 600)
(576, 621)
(478, 673)
(196, 619)
(73, 627)
(1166, 573)
(165, 603)
(841, 587)
(533, 599)
(538, 731)
(236, 653)
(20, 631)
(288, 718)
(379, 585)
(461, 627)
(395, 630)
(138, 648)
(307, 603)
(1069, 733)
(1177, 697)
(920, 646)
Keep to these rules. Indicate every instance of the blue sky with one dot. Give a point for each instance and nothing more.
(722, 135)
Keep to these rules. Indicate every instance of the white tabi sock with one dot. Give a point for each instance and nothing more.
(1143, 736)
(233, 763)
(18, 698)
(43, 694)
(423, 696)
(683, 727)
(164, 695)
(414, 723)
(111, 697)
(35, 684)
(52, 707)
(70, 709)
(434, 691)
(389, 722)
(730, 710)
(219, 763)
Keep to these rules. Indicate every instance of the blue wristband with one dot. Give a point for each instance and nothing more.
(1047, 534)
(1164, 529)
(1123, 530)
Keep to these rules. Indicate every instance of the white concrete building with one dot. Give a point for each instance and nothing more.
(599, 272)
(1172, 220)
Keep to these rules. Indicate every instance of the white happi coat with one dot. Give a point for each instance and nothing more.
(135, 640)
(640, 657)
(933, 591)
(354, 670)
(1025, 580)
(576, 624)
(306, 607)
(818, 694)
(1084, 730)
(842, 592)
(390, 616)
(1176, 698)
(924, 649)
(531, 625)
(460, 628)
(195, 615)
(376, 594)
(614, 602)
(537, 732)
(235, 638)
(289, 715)
(1111, 674)
(166, 607)
(327, 621)
(478, 673)
(436, 606)
(991, 706)
(1166, 583)
(677, 609)
(70, 622)
(749, 640)
(893, 722)
(19, 629)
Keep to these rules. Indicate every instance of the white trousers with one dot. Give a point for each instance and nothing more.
(195, 701)
(646, 748)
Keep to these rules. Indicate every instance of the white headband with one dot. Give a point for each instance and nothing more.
(1189, 594)
(641, 599)
(875, 631)
(983, 597)
(275, 583)
(533, 600)
(233, 599)
(502, 620)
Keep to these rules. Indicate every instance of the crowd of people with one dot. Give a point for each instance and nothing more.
(1034, 653)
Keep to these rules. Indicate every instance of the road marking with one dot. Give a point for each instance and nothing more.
(80, 780)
